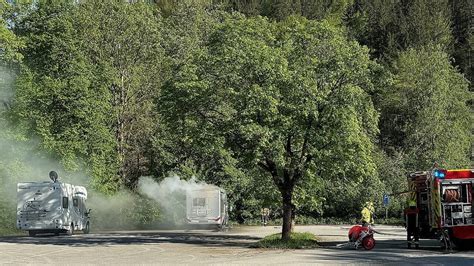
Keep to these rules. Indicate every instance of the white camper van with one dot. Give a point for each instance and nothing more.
(52, 207)
(207, 206)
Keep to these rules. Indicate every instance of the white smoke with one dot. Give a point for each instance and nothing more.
(168, 187)
(170, 194)
(22, 160)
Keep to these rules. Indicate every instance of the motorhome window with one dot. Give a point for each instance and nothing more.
(75, 202)
(65, 202)
(199, 202)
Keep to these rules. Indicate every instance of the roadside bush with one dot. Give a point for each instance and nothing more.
(306, 220)
(297, 241)
(7, 219)
(391, 221)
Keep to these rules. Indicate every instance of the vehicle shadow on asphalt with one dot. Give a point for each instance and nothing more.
(130, 238)
(396, 245)
(394, 252)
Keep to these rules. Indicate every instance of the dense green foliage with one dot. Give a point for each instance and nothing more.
(306, 106)
(426, 110)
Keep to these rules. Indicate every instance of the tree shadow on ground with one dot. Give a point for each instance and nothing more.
(136, 238)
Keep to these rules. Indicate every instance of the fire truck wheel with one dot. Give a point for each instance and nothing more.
(31, 233)
(368, 243)
(86, 229)
(462, 244)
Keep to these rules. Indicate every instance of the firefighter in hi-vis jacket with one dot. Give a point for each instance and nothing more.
(367, 214)
(411, 223)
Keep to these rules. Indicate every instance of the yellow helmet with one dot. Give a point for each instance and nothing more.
(411, 203)
(369, 205)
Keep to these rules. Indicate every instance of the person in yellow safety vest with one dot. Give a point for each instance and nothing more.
(367, 214)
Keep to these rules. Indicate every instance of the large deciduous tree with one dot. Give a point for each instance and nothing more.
(55, 94)
(123, 43)
(289, 98)
(9, 42)
(91, 72)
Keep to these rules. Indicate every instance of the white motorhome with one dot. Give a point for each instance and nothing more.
(52, 207)
(207, 206)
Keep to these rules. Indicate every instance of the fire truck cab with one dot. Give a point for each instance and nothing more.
(445, 202)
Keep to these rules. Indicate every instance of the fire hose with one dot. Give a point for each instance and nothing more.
(375, 231)
(451, 195)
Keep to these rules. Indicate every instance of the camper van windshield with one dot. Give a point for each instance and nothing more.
(199, 202)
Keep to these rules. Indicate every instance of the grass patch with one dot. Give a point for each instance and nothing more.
(297, 241)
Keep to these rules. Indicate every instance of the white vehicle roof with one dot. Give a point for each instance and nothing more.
(78, 191)
(39, 183)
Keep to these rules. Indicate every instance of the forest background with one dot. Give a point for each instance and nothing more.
(311, 106)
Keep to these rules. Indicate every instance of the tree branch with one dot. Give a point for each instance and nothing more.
(270, 167)
(289, 153)
(306, 138)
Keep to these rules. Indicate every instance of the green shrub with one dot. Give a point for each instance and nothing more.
(305, 220)
(391, 221)
(7, 219)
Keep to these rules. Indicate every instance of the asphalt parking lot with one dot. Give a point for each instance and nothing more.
(213, 247)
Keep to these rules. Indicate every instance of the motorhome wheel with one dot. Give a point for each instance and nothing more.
(71, 230)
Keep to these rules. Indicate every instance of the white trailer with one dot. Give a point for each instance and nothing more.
(52, 207)
(207, 206)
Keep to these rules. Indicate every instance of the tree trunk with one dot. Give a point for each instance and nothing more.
(287, 212)
(120, 130)
(286, 185)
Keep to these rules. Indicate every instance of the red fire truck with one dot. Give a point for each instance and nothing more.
(445, 202)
